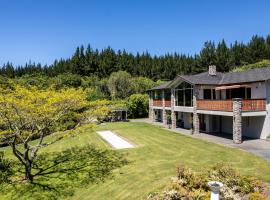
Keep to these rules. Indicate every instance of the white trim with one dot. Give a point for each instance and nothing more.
(183, 109)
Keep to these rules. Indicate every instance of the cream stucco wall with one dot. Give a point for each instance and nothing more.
(258, 90)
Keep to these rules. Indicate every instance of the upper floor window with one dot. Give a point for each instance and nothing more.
(243, 92)
(184, 94)
(209, 94)
(167, 95)
(157, 95)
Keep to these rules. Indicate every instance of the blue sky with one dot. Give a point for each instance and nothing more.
(44, 30)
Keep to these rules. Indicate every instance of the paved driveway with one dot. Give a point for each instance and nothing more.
(256, 146)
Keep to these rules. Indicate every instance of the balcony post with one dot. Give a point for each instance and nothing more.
(237, 120)
(151, 110)
(173, 115)
(196, 123)
(164, 116)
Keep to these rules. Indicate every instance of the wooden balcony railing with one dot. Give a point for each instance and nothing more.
(253, 105)
(221, 105)
(158, 103)
(167, 103)
(227, 105)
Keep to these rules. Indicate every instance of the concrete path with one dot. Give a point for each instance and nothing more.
(116, 141)
(258, 147)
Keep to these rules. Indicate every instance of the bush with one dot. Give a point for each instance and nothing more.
(94, 95)
(256, 196)
(137, 105)
(141, 84)
(67, 80)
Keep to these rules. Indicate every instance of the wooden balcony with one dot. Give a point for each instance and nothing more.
(168, 103)
(227, 105)
(254, 105)
(158, 103)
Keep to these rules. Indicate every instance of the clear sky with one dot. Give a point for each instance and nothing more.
(44, 30)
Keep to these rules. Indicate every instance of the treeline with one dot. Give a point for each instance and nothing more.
(88, 61)
(120, 88)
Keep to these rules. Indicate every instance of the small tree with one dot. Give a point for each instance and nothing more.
(138, 105)
(119, 84)
(28, 113)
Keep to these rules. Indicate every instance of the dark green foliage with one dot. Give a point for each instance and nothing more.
(137, 105)
(95, 95)
(89, 62)
(141, 84)
(119, 84)
(68, 80)
(58, 174)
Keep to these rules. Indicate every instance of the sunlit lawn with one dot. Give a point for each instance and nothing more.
(154, 160)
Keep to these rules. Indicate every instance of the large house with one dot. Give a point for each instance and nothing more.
(236, 103)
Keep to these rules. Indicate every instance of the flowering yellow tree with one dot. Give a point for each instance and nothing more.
(29, 113)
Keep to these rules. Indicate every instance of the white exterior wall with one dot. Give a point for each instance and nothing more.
(253, 126)
(266, 125)
(223, 94)
(258, 90)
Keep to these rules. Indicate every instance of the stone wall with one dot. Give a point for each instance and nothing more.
(237, 121)
(151, 110)
(196, 122)
(173, 114)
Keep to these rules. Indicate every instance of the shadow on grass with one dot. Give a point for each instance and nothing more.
(57, 175)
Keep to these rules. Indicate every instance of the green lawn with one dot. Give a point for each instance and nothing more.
(154, 160)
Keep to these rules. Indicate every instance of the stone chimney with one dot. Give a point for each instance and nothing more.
(212, 70)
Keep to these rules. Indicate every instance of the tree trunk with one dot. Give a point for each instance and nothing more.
(28, 169)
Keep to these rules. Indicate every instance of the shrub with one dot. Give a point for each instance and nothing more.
(138, 105)
(256, 196)
(94, 95)
(192, 185)
(67, 80)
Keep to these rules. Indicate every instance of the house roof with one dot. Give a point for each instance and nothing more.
(164, 85)
(254, 75)
(203, 78)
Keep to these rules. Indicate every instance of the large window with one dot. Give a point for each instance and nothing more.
(184, 95)
(157, 95)
(209, 94)
(167, 94)
(244, 93)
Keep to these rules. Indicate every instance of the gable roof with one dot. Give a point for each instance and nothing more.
(162, 86)
(254, 75)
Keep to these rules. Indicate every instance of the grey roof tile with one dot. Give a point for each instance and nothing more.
(254, 75)
(162, 86)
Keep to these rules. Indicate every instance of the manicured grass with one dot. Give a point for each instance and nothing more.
(154, 160)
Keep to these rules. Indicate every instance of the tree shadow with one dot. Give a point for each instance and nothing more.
(58, 174)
